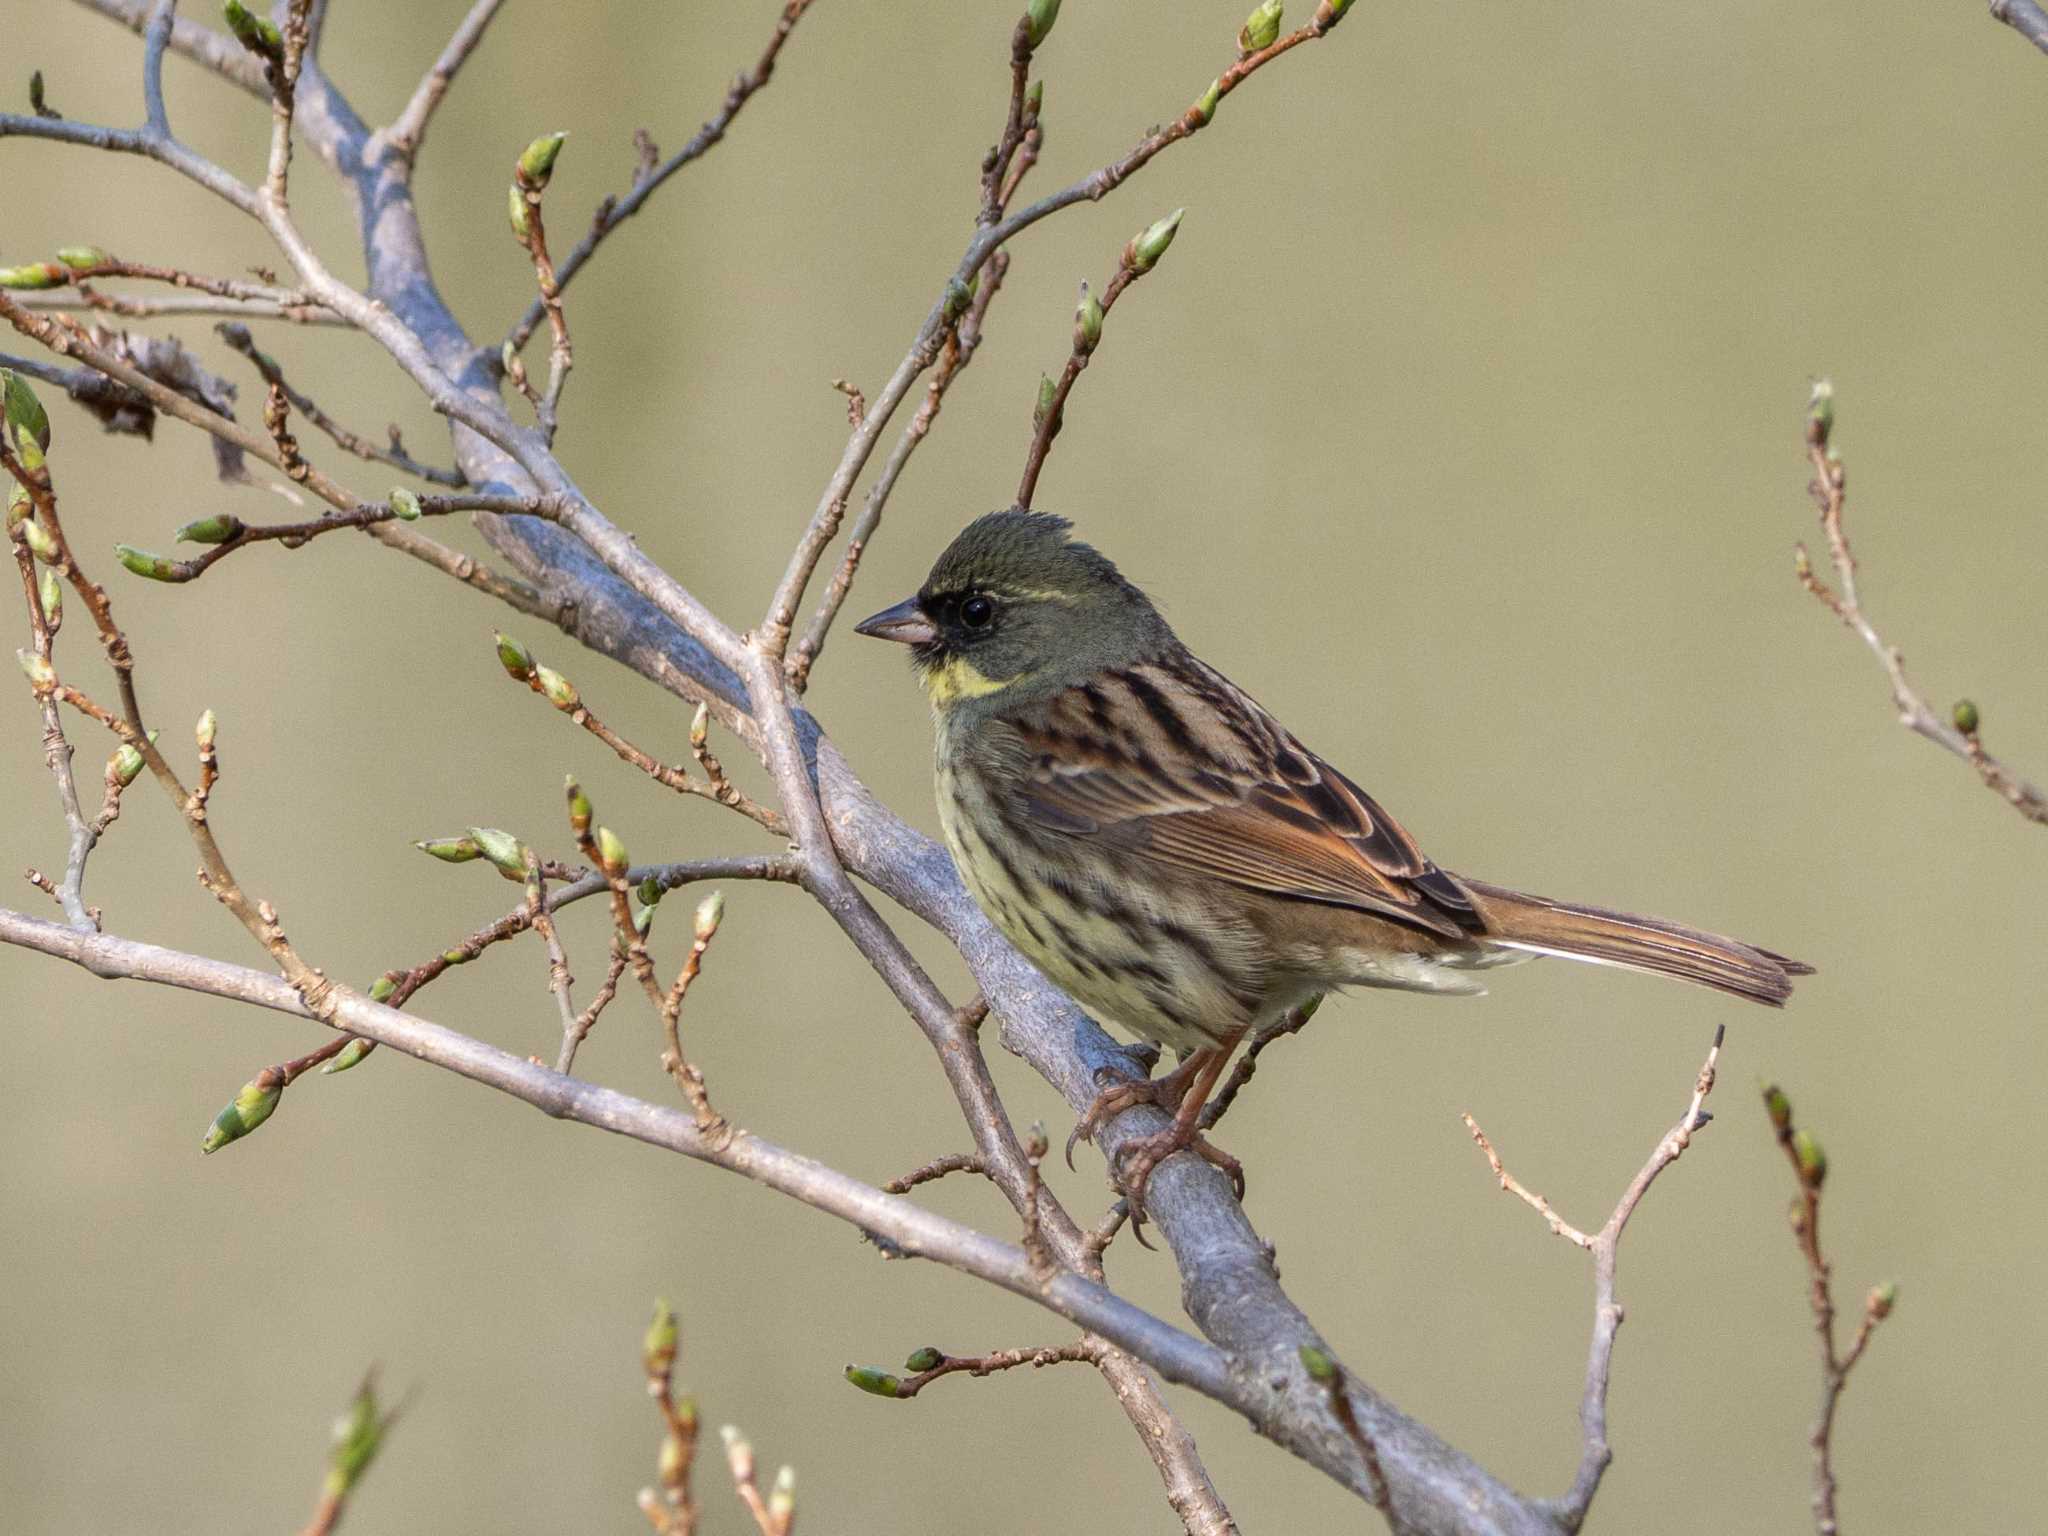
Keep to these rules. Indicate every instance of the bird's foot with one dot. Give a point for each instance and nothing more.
(1162, 1092)
(1136, 1160)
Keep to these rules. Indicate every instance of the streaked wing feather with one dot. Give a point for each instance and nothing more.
(1183, 769)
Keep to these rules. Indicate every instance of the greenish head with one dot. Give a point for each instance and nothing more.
(1016, 606)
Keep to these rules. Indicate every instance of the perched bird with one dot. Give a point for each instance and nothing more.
(1168, 853)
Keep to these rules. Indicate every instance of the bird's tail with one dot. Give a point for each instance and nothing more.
(1516, 920)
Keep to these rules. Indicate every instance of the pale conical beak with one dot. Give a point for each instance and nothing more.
(905, 624)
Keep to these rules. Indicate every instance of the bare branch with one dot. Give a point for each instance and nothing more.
(1605, 1246)
(2025, 18)
(409, 129)
(237, 336)
(1958, 735)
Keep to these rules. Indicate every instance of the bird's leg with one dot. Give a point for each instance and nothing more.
(1166, 1092)
(1137, 1159)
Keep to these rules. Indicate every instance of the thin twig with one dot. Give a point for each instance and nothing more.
(1085, 1352)
(613, 212)
(1289, 1023)
(1958, 735)
(237, 336)
(1605, 1245)
(937, 1168)
(409, 128)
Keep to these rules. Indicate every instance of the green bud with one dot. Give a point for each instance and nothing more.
(126, 764)
(1039, 15)
(643, 920)
(36, 103)
(675, 1456)
(20, 504)
(1320, 1366)
(1820, 412)
(25, 413)
(502, 849)
(456, 956)
(1261, 28)
(50, 591)
(700, 727)
(1145, 249)
(926, 1359)
(253, 32)
(384, 988)
(1966, 717)
(559, 690)
(611, 853)
(869, 1379)
(36, 274)
(1087, 322)
(251, 1107)
(514, 657)
(507, 356)
(1330, 12)
(651, 892)
(658, 1348)
(204, 731)
(1778, 1107)
(405, 506)
(516, 211)
(143, 563)
(1034, 99)
(349, 1054)
(1205, 108)
(39, 541)
(782, 1497)
(1046, 393)
(42, 677)
(357, 1436)
(1881, 1300)
(217, 529)
(710, 912)
(958, 297)
(82, 258)
(451, 850)
(579, 806)
(1813, 1161)
(538, 163)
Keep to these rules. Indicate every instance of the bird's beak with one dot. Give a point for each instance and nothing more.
(905, 624)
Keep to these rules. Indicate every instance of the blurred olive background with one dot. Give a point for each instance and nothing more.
(1461, 425)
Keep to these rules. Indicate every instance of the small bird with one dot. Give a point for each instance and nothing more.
(1171, 856)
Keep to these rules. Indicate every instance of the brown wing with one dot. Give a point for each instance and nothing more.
(1172, 763)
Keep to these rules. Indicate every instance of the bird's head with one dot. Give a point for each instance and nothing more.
(1016, 607)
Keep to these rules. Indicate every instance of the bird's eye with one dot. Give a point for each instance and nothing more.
(978, 611)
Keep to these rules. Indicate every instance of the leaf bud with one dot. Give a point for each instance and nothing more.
(217, 529)
(25, 413)
(50, 592)
(348, 1056)
(537, 164)
(1087, 322)
(255, 33)
(611, 852)
(1778, 1107)
(739, 1453)
(782, 1497)
(1261, 28)
(1966, 717)
(1318, 1364)
(1820, 413)
(249, 1109)
(82, 258)
(658, 1348)
(143, 563)
(1146, 247)
(39, 542)
(1039, 15)
(405, 506)
(1881, 1300)
(42, 677)
(451, 850)
(878, 1382)
(33, 275)
(579, 807)
(710, 912)
(514, 657)
(204, 731)
(1813, 1161)
(926, 1359)
(559, 690)
(502, 849)
(1205, 107)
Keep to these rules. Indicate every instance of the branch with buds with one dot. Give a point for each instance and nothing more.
(671, 1508)
(1810, 1171)
(1959, 732)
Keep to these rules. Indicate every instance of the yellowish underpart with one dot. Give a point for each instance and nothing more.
(955, 679)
